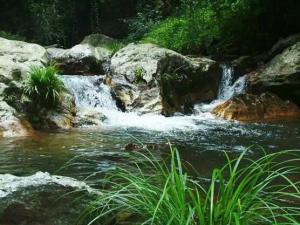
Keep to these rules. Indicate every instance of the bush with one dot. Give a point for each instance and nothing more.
(190, 33)
(44, 87)
(243, 192)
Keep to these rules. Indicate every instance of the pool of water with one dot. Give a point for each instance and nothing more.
(89, 153)
(100, 148)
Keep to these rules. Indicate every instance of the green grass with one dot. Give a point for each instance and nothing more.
(44, 87)
(139, 74)
(243, 192)
(115, 46)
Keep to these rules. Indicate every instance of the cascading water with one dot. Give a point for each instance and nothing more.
(228, 88)
(94, 100)
(90, 92)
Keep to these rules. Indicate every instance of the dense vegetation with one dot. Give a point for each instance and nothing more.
(243, 192)
(188, 26)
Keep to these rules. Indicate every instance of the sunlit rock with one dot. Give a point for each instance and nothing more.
(147, 78)
(12, 124)
(254, 108)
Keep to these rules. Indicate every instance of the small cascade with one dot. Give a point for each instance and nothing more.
(90, 92)
(92, 99)
(96, 106)
(228, 87)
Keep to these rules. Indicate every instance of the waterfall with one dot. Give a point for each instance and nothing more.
(228, 87)
(90, 92)
(96, 106)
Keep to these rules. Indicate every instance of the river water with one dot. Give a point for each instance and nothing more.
(27, 165)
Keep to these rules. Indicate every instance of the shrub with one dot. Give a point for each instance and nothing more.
(190, 33)
(44, 87)
(243, 192)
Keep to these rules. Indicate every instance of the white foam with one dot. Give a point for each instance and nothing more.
(93, 98)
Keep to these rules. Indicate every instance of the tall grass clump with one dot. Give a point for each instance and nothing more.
(243, 192)
(43, 86)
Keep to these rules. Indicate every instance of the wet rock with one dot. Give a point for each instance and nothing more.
(61, 118)
(91, 56)
(280, 76)
(13, 124)
(254, 108)
(41, 199)
(243, 65)
(89, 117)
(150, 79)
(151, 146)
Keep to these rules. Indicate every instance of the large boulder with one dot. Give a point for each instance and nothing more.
(91, 56)
(147, 78)
(280, 76)
(254, 108)
(42, 199)
(16, 58)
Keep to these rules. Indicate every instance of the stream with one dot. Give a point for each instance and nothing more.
(33, 171)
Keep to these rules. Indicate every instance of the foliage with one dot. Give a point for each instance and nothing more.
(44, 87)
(243, 192)
(11, 36)
(221, 26)
(207, 26)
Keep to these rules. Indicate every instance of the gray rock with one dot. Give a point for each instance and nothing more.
(147, 78)
(91, 56)
(281, 75)
(98, 40)
(16, 58)
(41, 199)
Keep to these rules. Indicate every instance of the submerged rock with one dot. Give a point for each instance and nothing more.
(91, 56)
(147, 78)
(89, 117)
(280, 76)
(254, 108)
